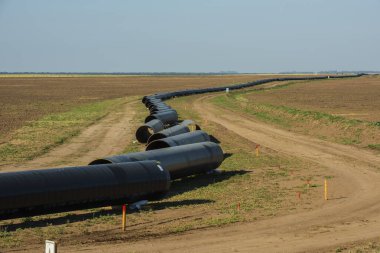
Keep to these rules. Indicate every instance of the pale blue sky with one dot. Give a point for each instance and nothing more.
(189, 36)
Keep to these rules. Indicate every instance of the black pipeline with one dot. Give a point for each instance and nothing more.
(180, 161)
(36, 192)
(178, 140)
(184, 127)
(157, 109)
(167, 117)
(168, 95)
(145, 131)
(118, 179)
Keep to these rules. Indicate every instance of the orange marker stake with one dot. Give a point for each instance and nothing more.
(257, 149)
(238, 206)
(326, 189)
(124, 218)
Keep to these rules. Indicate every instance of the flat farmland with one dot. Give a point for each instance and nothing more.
(271, 181)
(40, 112)
(251, 199)
(345, 111)
(355, 98)
(24, 99)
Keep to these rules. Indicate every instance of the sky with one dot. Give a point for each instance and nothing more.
(189, 36)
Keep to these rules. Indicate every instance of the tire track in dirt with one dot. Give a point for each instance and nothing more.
(109, 136)
(352, 214)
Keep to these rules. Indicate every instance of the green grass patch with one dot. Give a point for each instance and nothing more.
(137, 121)
(374, 146)
(266, 113)
(38, 137)
(8, 239)
(223, 221)
(345, 131)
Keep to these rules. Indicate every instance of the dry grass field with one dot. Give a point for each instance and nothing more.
(344, 111)
(38, 113)
(354, 98)
(25, 99)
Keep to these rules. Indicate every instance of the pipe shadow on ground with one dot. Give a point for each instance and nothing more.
(90, 214)
(226, 155)
(178, 187)
(214, 139)
(199, 181)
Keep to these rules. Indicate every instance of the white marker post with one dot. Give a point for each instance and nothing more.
(50, 247)
(227, 90)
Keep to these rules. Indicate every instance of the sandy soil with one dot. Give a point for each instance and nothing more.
(351, 214)
(109, 136)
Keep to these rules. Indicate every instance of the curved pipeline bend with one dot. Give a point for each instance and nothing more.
(144, 132)
(178, 140)
(167, 117)
(184, 127)
(120, 179)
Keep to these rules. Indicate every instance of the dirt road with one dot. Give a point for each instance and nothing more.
(351, 214)
(110, 135)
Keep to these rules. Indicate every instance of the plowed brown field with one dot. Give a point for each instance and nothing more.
(355, 98)
(29, 98)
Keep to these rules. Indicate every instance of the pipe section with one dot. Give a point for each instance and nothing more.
(180, 161)
(166, 117)
(178, 140)
(168, 95)
(190, 124)
(174, 130)
(35, 192)
(184, 127)
(145, 131)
